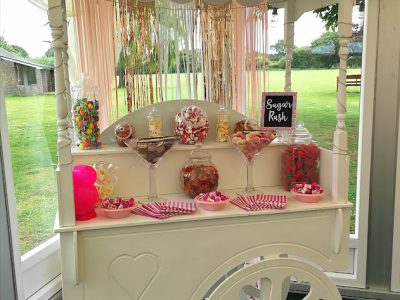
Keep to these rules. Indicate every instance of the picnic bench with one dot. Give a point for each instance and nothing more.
(351, 80)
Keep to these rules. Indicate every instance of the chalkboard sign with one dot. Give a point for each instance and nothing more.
(278, 111)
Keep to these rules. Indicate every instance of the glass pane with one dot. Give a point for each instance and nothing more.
(33, 138)
(315, 68)
(28, 80)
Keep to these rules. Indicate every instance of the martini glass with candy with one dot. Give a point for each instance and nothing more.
(250, 144)
(152, 150)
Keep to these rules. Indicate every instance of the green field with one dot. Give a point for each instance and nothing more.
(32, 131)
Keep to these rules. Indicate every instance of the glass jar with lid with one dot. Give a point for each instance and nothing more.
(222, 125)
(155, 123)
(85, 114)
(300, 161)
(199, 175)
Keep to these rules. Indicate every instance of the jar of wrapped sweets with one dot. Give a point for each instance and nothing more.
(191, 124)
(199, 175)
(123, 131)
(155, 123)
(85, 114)
(300, 161)
(222, 125)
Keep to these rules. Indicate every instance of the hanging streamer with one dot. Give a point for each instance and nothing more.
(94, 28)
(188, 50)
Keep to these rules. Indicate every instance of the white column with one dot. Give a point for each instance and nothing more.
(290, 9)
(66, 209)
(65, 57)
(340, 159)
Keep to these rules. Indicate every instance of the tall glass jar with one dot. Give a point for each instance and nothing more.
(222, 125)
(155, 123)
(199, 175)
(85, 114)
(300, 161)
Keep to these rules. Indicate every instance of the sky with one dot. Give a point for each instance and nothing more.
(23, 24)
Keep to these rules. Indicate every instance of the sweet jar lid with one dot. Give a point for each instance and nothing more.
(84, 83)
(300, 133)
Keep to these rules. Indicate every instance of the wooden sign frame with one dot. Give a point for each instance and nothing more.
(293, 100)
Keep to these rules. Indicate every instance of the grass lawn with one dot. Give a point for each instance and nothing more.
(33, 138)
(32, 131)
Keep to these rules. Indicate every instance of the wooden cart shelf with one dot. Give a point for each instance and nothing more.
(230, 211)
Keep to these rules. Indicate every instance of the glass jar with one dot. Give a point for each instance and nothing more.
(155, 123)
(85, 114)
(222, 125)
(123, 131)
(199, 175)
(300, 161)
(191, 125)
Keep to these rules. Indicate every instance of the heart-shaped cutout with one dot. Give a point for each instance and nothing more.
(134, 275)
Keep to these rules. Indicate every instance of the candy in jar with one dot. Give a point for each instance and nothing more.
(250, 143)
(199, 175)
(191, 124)
(246, 124)
(106, 178)
(222, 125)
(155, 123)
(85, 114)
(300, 161)
(123, 131)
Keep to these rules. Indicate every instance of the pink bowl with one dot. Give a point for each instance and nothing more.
(117, 213)
(211, 205)
(308, 198)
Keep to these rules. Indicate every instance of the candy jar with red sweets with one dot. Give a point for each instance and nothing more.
(191, 125)
(300, 161)
(199, 175)
(85, 114)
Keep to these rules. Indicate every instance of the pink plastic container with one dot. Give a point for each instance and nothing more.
(85, 193)
(117, 213)
(308, 198)
(211, 205)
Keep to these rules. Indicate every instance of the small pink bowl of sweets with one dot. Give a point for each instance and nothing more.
(212, 200)
(307, 192)
(118, 207)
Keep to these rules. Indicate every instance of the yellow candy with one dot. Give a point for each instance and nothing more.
(222, 129)
(155, 128)
(89, 131)
(90, 106)
(91, 125)
(77, 119)
(81, 146)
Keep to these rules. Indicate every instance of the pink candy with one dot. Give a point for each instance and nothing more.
(118, 203)
(216, 196)
(308, 188)
(191, 124)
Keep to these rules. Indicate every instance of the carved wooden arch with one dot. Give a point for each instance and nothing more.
(276, 271)
(268, 251)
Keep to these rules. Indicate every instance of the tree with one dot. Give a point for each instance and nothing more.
(49, 52)
(329, 59)
(279, 48)
(14, 49)
(329, 14)
(19, 51)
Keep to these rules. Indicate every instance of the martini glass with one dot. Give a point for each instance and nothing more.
(152, 150)
(250, 144)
